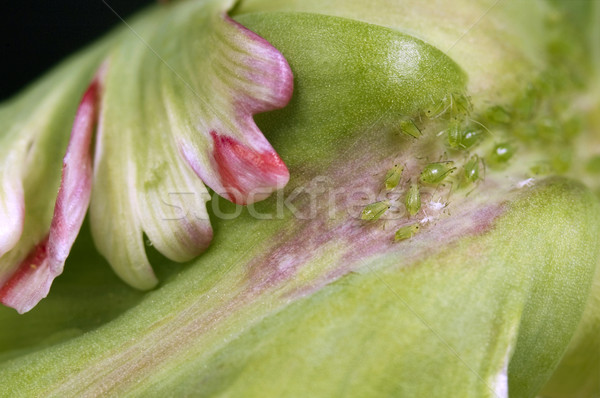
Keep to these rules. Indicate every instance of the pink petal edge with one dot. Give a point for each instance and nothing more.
(248, 171)
(247, 175)
(32, 280)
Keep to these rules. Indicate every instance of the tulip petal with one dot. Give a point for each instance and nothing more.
(34, 136)
(172, 112)
(242, 166)
(32, 280)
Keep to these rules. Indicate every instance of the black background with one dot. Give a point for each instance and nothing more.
(36, 35)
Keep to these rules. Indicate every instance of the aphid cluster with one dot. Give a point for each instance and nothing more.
(432, 173)
(463, 135)
(536, 122)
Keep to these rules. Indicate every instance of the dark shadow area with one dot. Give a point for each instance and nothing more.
(36, 35)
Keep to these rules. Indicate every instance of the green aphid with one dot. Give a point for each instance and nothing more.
(459, 137)
(413, 200)
(436, 109)
(409, 127)
(472, 168)
(455, 104)
(501, 153)
(392, 177)
(454, 135)
(498, 114)
(435, 173)
(460, 104)
(374, 211)
(406, 232)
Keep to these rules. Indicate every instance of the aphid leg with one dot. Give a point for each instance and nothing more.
(471, 191)
(451, 183)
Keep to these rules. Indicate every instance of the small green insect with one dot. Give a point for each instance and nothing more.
(392, 177)
(502, 153)
(406, 232)
(374, 211)
(413, 200)
(472, 168)
(459, 137)
(409, 127)
(436, 109)
(460, 104)
(455, 105)
(435, 173)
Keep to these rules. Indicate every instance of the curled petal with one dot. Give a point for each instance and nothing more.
(32, 280)
(246, 175)
(250, 76)
(168, 116)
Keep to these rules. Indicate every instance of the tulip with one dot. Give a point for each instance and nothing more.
(305, 198)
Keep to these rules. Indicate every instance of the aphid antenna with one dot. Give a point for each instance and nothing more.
(442, 112)
(443, 156)
(444, 162)
(451, 101)
(447, 174)
(484, 127)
